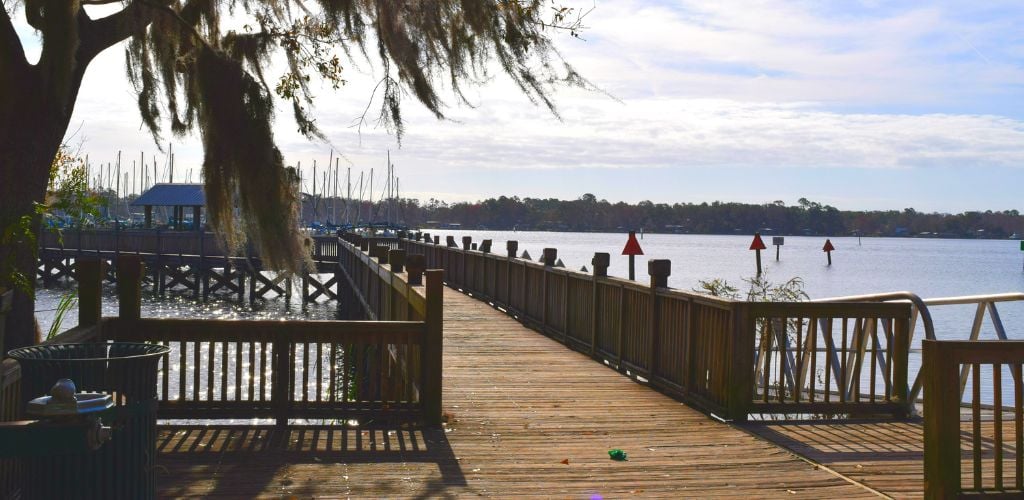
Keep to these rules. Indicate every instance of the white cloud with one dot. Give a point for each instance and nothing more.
(704, 84)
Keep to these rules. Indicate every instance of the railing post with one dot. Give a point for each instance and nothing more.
(600, 264)
(415, 265)
(89, 273)
(548, 256)
(432, 349)
(397, 260)
(129, 286)
(511, 247)
(467, 242)
(381, 253)
(659, 270)
(449, 241)
(485, 246)
(740, 389)
(900, 359)
(941, 422)
(281, 380)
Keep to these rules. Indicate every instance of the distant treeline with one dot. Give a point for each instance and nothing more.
(806, 217)
(590, 214)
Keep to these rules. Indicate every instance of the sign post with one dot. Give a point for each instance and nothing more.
(828, 248)
(1022, 245)
(757, 245)
(778, 241)
(632, 249)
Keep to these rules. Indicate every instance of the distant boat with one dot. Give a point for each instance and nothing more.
(1014, 236)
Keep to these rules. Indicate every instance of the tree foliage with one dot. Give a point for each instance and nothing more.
(217, 68)
(805, 218)
(68, 192)
(193, 72)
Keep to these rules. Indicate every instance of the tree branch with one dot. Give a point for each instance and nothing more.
(100, 34)
(12, 54)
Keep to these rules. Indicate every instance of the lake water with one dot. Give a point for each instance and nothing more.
(928, 267)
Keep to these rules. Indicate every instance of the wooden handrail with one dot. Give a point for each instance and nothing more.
(943, 428)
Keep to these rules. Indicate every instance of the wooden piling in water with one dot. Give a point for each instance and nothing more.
(130, 270)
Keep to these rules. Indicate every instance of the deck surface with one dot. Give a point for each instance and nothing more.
(527, 417)
(889, 456)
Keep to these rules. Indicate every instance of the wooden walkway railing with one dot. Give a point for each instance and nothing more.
(827, 359)
(991, 432)
(714, 353)
(271, 369)
(156, 241)
(189, 261)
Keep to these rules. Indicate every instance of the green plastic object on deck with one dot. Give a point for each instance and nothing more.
(617, 454)
(1022, 245)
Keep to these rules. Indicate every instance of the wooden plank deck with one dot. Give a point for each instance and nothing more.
(887, 456)
(519, 404)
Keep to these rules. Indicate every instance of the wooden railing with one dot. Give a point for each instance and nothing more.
(711, 352)
(992, 437)
(272, 369)
(269, 369)
(824, 359)
(159, 242)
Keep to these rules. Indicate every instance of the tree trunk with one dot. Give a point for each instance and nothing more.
(31, 130)
(36, 103)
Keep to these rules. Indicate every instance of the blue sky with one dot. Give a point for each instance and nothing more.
(862, 105)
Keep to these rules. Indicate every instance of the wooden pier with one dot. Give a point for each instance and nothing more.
(518, 404)
(190, 263)
(541, 372)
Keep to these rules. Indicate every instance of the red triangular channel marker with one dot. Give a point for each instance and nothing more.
(828, 246)
(758, 243)
(632, 245)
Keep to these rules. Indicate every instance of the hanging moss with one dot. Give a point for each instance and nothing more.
(190, 73)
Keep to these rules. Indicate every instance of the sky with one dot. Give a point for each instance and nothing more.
(869, 105)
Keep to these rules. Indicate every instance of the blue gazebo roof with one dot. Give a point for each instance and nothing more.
(173, 195)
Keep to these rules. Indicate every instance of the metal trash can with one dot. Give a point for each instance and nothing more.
(122, 468)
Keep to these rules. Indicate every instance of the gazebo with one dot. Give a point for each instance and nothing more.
(178, 196)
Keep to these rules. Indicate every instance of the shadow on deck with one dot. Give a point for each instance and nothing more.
(885, 456)
(261, 460)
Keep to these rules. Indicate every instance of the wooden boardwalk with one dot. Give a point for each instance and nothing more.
(886, 456)
(527, 417)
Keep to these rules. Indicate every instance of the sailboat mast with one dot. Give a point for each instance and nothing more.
(334, 199)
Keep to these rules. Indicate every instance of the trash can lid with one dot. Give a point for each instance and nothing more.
(97, 351)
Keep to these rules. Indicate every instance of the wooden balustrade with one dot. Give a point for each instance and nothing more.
(263, 369)
(991, 439)
(714, 353)
(817, 358)
(387, 369)
(159, 242)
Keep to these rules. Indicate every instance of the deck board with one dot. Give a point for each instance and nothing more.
(518, 404)
(886, 456)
